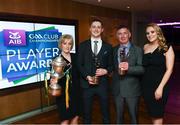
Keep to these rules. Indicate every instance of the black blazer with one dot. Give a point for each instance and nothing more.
(86, 62)
(74, 73)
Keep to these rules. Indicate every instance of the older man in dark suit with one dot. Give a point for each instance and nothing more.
(95, 61)
(127, 70)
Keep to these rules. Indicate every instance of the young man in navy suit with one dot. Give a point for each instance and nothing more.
(95, 61)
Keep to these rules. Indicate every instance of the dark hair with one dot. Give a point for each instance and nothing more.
(123, 26)
(96, 20)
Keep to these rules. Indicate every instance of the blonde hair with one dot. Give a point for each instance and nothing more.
(63, 38)
(160, 36)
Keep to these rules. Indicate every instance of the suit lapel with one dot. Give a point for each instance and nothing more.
(88, 49)
(116, 56)
(131, 52)
(89, 52)
(101, 52)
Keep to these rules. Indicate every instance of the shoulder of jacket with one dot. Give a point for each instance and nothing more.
(107, 45)
(115, 48)
(73, 54)
(85, 42)
(135, 46)
(137, 49)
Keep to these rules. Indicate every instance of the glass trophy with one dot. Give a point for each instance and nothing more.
(97, 65)
(123, 58)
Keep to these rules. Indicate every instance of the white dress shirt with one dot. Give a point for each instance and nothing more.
(99, 44)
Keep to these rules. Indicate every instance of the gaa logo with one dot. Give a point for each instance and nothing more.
(14, 37)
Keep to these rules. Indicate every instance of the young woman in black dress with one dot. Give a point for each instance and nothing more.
(158, 61)
(69, 110)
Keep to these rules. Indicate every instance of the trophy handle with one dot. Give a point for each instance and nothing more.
(68, 69)
(46, 76)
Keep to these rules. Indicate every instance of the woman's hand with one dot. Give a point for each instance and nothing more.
(158, 93)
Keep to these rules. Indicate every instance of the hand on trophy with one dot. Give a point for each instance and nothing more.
(123, 67)
(101, 72)
(123, 64)
(98, 71)
(57, 72)
(53, 80)
(90, 80)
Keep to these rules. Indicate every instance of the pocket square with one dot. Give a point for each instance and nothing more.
(105, 52)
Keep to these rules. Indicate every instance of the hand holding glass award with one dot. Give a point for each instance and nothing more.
(97, 65)
(56, 73)
(123, 58)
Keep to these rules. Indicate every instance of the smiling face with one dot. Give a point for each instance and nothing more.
(151, 34)
(123, 35)
(96, 29)
(66, 45)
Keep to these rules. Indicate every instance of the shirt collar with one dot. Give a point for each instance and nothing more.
(98, 39)
(128, 45)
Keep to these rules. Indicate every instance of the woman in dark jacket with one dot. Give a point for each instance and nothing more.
(69, 102)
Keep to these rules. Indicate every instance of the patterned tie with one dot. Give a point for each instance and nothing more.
(122, 53)
(124, 50)
(95, 47)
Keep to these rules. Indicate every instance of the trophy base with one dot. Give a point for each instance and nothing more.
(95, 80)
(55, 91)
(122, 72)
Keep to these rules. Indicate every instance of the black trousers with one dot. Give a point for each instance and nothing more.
(88, 95)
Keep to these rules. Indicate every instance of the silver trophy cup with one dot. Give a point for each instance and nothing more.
(57, 72)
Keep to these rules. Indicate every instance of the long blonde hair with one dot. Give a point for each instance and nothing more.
(160, 36)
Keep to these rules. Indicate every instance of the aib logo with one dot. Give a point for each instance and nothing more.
(14, 37)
